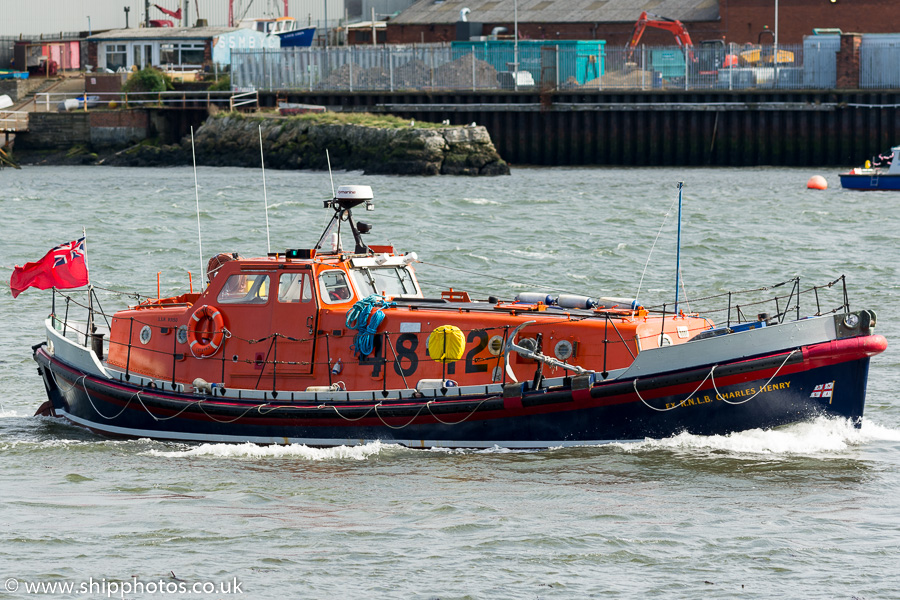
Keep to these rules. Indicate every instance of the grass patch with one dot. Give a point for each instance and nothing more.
(366, 119)
(348, 118)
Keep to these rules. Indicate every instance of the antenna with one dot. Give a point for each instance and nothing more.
(637, 296)
(262, 161)
(197, 196)
(328, 158)
(678, 249)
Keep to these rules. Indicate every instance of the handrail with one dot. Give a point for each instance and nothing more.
(48, 101)
(792, 300)
(13, 120)
(247, 95)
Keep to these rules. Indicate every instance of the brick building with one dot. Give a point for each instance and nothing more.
(737, 21)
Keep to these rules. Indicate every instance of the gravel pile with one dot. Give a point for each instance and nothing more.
(414, 74)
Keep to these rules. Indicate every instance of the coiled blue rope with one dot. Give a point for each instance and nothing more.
(365, 316)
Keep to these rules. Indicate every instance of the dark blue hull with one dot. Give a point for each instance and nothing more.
(298, 38)
(762, 392)
(870, 182)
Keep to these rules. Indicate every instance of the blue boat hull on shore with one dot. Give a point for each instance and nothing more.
(301, 38)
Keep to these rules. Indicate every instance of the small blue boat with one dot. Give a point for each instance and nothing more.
(301, 38)
(874, 178)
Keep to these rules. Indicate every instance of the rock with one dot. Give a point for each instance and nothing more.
(232, 139)
(290, 143)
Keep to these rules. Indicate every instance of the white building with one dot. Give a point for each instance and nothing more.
(178, 48)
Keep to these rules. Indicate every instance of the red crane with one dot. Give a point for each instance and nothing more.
(650, 20)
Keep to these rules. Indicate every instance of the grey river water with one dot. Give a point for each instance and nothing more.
(807, 511)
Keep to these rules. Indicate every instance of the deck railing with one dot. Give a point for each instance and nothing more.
(770, 304)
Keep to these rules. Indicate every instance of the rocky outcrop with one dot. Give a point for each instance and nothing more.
(295, 143)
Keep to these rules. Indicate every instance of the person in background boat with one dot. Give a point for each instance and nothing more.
(341, 293)
(335, 286)
(235, 288)
(215, 263)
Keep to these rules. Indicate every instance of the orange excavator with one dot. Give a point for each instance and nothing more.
(711, 57)
(651, 20)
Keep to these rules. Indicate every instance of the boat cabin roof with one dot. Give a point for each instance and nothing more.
(338, 278)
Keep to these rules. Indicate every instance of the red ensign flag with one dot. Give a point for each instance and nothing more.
(63, 267)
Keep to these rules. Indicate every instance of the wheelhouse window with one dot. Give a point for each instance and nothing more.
(246, 288)
(294, 287)
(116, 57)
(334, 287)
(390, 281)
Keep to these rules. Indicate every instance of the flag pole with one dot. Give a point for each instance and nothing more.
(86, 266)
(89, 330)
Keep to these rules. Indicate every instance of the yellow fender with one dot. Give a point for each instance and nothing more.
(446, 344)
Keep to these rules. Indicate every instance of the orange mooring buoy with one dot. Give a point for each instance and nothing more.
(817, 182)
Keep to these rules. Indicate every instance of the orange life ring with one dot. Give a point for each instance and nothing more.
(206, 343)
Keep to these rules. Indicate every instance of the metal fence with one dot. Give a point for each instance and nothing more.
(879, 63)
(452, 67)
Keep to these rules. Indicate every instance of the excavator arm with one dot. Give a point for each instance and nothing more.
(651, 20)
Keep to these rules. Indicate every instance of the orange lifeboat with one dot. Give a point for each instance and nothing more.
(328, 345)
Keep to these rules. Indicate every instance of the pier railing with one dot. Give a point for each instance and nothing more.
(13, 121)
(53, 101)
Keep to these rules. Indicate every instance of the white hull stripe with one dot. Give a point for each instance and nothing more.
(239, 439)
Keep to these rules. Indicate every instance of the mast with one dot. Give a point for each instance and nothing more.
(678, 249)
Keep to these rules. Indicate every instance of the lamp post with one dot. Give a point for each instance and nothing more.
(516, 45)
(775, 49)
(126, 9)
(89, 25)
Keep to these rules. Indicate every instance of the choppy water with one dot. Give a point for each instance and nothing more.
(808, 511)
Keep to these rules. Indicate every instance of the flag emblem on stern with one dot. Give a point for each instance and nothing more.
(823, 390)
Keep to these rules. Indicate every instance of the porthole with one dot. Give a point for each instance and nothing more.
(563, 349)
(495, 345)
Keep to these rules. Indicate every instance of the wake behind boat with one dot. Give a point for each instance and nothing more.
(329, 346)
